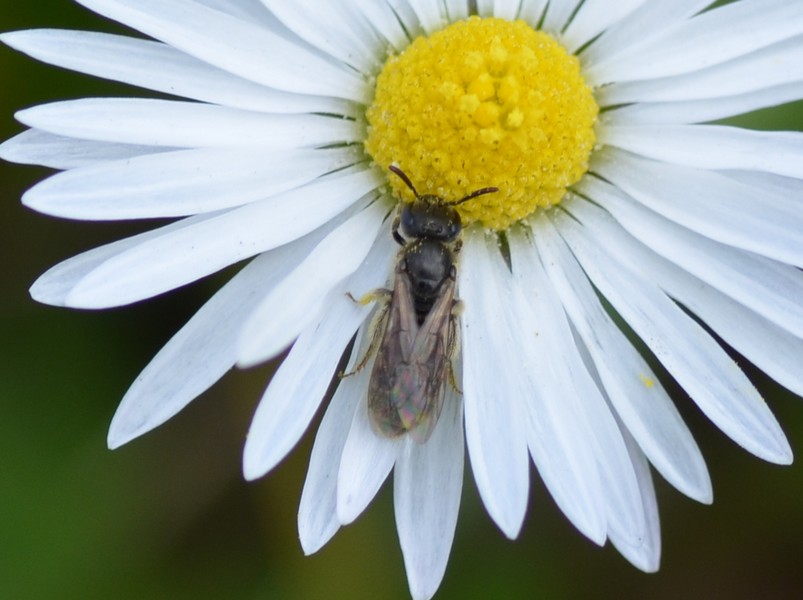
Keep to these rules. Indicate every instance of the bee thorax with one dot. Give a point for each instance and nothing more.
(428, 264)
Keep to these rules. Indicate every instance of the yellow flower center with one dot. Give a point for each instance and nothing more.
(484, 102)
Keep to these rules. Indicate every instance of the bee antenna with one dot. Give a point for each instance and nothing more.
(474, 194)
(403, 176)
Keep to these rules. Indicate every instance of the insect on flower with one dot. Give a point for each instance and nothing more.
(415, 326)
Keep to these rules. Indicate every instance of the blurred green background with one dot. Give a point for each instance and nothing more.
(169, 516)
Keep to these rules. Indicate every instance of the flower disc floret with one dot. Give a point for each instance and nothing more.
(485, 102)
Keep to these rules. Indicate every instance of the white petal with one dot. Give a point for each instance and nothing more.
(293, 304)
(708, 203)
(647, 554)
(54, 286)
(593, 17)
(729, 32)
(431, 15)
(694, 359)
(180, 183)
(712, 146)
(779, 64)
(769, 288)
(634, 390)
(366, 461)
(532, 11)
(763, 182)
(317, 512)
(501, 9)
(171, 123)
(381, 17)
(495, 431)
(295, 391)
(698, 111)
(159, 67)
(325, 26)
(242, 48)
(179, 257)
(407, 17)
(558, 14)
(649, 22)
(457, 9)
(619, 487)
(559, 441)
(768, 346)
(34, 147)
(427, 486)
(198, 355)
(247, 10)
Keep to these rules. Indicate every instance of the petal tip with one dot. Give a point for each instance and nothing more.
(346, 510)
(44, 294)
(252, 469)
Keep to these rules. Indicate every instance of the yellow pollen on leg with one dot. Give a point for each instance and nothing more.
(484, 102)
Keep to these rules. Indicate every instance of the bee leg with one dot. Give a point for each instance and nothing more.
(374, 328)
(377, 295)
(454, 344)
(395, 229)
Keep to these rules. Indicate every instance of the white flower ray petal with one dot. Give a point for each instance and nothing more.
(771, 348)
(709, 203)
(698, 111)
(180, 183)
(54, 286)
(495, 432)
(159, 67)
(324, 25)
(35, 147)
(317, 511)
(364, 465)
(558, 14)
(456, 9)
(693, 358)
(201, 352)
(559, 441)
(730, 31)
(297, 388)
(776, 65)
(648, 23)
(175, 123)
(647, 554)
(769, 288)
(242, 48)
(593, 17)
(428, 481)
(620, 494)
(381, 17)
(176, 257)
(501, 9)
(712, 146)
(635, 393)
(532, 11)
(431, 15)
(277, 321)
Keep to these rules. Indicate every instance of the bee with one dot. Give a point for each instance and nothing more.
(416, 327)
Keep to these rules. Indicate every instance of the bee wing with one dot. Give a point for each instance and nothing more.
(406, 389)
(427, 363)
(400, 329)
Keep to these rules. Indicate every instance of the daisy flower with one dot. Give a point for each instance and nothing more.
(621, 210)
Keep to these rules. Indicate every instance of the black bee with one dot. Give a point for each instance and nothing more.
(417, 325)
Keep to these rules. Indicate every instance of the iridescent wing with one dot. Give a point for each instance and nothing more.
(405, 393)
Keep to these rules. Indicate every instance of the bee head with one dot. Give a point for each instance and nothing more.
(430, 216)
